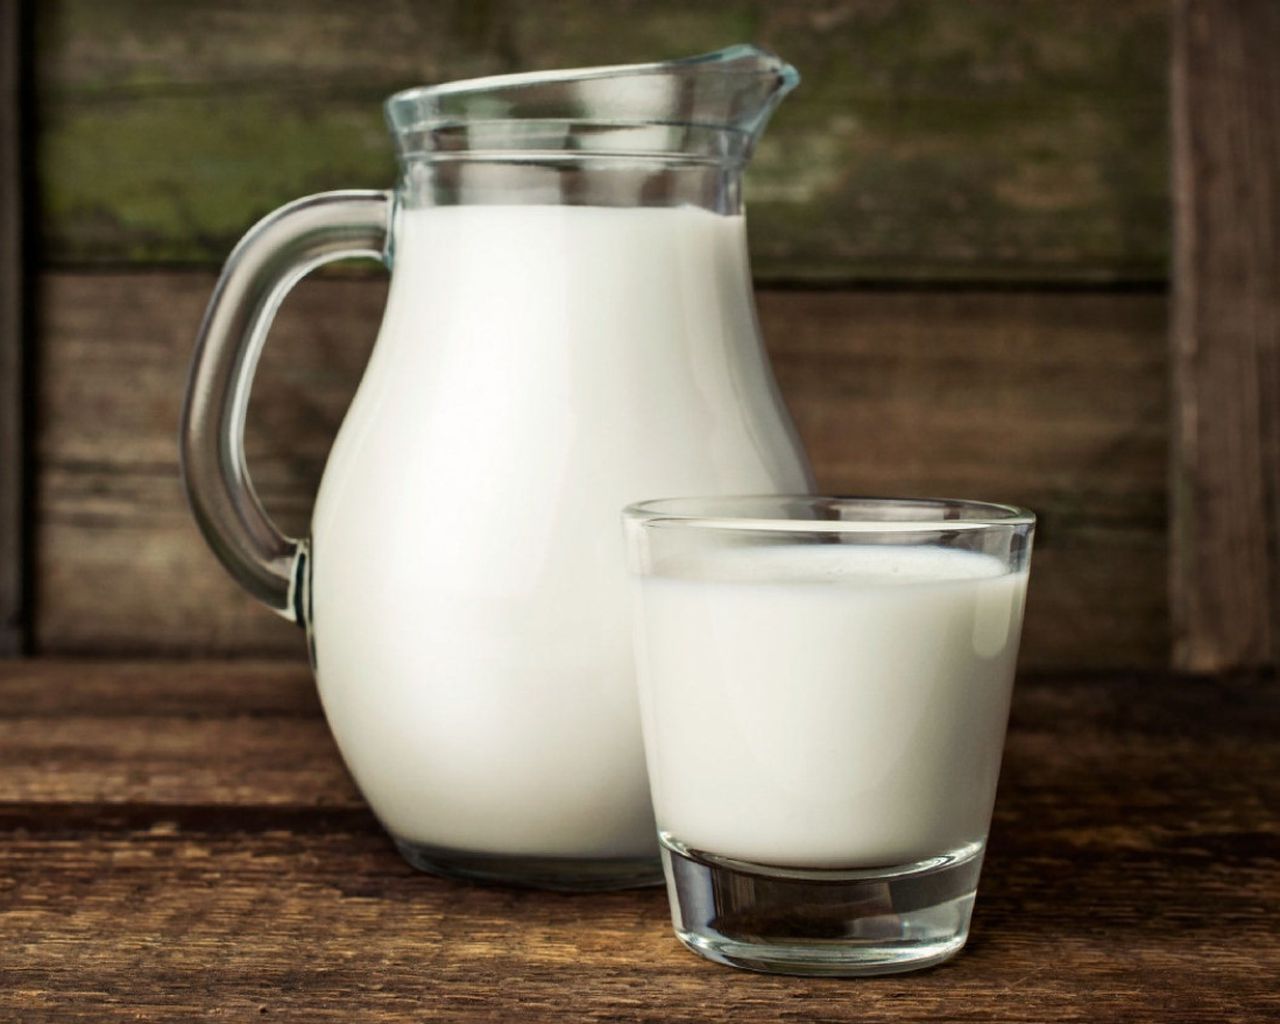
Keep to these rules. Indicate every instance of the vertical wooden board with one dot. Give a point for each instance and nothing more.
(11, 339)
(1225, 572)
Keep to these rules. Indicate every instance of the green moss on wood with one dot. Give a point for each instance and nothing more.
(930, 138)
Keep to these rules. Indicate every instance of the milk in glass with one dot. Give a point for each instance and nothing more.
(834, 705)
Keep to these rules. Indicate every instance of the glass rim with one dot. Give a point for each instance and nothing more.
(876, 514)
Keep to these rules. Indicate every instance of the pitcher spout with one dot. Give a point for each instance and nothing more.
(738, 87)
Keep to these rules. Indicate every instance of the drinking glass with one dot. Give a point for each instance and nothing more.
(824, 687)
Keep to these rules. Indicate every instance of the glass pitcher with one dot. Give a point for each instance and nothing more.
(569, 328)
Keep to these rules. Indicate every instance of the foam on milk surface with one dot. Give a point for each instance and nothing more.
(831, 705)
(860, 565)
(538, 367)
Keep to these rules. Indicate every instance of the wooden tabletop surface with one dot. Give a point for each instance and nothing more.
(179, 841)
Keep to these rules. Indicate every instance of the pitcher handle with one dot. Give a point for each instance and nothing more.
(275, 254)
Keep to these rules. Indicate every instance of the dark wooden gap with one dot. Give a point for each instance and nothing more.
(362, 269)
(985, 285)
(12, 453)
(1225, 571)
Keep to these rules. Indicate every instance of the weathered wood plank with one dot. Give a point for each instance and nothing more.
(1053, 401)
(1056, 401)
(12, 541)
(929, 140)
(165, 738)
(1226, 335)
(1133, 874)
(168, 734)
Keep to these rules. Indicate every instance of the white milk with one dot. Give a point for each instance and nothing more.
(537, 369)
(848, 712)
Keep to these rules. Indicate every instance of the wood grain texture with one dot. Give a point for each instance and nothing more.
(929, 140)
(1226, 335)
(12, 541)
(1056, 401)
(1133, 873)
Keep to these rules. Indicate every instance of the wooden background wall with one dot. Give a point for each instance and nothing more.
(960, 227)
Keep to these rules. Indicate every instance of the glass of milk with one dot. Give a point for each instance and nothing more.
(824, 686)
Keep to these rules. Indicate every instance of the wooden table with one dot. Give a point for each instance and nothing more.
(180, 842)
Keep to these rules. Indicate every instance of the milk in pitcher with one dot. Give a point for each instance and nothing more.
(473, 646)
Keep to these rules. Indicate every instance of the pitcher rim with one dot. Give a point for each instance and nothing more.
(788, 75)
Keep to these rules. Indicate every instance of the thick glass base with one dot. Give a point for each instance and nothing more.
(564, 874)
(821, 922)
